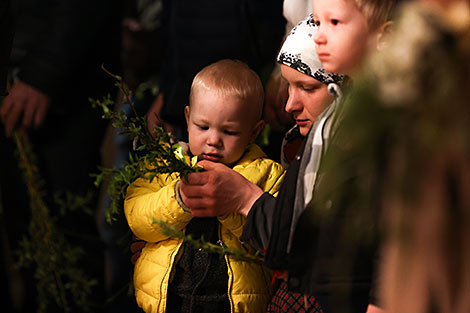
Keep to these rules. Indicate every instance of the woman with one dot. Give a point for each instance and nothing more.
(313, 98)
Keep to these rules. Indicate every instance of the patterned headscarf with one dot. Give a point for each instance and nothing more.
(299, 53)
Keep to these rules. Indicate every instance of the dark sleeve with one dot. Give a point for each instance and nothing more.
(266, 24)
(6, 37)
(57, 40)
(258, 225)
(37, 57)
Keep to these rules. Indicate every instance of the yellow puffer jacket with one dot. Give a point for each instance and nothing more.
(249, 284)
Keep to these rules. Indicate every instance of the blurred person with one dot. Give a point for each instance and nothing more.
(142, 42)
(55, 65)
(416, 90)
(412, 156)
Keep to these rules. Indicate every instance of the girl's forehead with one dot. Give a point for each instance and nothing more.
(332, 5)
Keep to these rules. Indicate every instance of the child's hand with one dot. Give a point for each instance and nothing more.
(218, 190)
(136, 248)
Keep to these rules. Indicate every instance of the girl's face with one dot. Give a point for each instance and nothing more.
(343, 37)
(308, 98)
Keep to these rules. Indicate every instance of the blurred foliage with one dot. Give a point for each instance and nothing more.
(59, 279)
(154, 153)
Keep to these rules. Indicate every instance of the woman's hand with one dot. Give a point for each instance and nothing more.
(218, 190)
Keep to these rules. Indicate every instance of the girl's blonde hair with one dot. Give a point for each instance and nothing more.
(377, 12)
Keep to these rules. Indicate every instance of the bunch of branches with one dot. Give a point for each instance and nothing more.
(59, 280)
(155, 152)
(220, 248)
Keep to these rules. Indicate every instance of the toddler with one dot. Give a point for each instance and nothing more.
(224, 118)
(349, 30)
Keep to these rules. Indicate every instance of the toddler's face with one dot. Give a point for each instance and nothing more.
(219, 127)
(308, 98)
(343, 37)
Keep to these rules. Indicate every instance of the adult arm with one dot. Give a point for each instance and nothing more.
(266, 174)
(6, 38)
(218, 190)
(221, 191)
(258, 225)
(23, 100)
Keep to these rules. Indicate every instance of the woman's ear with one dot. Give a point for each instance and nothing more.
(382, 35)
(256, 130)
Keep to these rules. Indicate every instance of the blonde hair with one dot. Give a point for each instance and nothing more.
(377, 12)
(231, 78)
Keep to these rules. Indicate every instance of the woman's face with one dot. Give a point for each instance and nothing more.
(308, 98)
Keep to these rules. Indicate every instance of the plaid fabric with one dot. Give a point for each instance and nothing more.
(287, 301)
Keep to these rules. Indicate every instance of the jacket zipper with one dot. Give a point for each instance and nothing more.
(229, 285)
(168, 274)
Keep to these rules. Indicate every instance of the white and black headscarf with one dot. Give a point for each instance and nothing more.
(299, 53)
